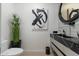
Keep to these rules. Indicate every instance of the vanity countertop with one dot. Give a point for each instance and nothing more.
(71, 42)
(72, 39)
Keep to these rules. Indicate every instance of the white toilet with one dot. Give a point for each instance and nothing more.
(9, 52)
(12, 52)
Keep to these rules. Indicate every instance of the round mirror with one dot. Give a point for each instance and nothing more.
(68, 13)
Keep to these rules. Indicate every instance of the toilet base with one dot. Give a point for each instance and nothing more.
(12, 52)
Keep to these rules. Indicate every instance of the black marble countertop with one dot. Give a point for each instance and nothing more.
(72, 39)
(71, 42)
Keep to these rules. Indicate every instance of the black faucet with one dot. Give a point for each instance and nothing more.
(78, 34)
(64, 32)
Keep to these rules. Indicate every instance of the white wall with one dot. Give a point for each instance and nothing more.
(54, 21)
(0, 28)
(6, 15)
(0, 22)
(34, 41)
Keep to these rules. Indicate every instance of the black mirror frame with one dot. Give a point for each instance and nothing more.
(71, 21)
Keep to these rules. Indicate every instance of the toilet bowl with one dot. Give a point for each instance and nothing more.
(12, 52)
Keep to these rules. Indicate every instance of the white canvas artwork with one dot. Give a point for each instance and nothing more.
(40, 19)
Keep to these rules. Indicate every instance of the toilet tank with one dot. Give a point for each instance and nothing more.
(4, 45)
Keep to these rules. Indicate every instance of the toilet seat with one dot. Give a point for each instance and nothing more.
(12, 52)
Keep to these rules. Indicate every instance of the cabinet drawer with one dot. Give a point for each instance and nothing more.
(56, 50)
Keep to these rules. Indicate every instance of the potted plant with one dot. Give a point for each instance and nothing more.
(15, 29)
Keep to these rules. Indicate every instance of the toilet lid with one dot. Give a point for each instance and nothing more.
(12, 51)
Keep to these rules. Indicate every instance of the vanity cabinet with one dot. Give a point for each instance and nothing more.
(60, 49)
(54, 49)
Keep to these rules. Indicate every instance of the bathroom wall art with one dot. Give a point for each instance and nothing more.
(40, 19)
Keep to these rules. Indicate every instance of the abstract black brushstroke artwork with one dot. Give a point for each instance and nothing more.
(40, 20)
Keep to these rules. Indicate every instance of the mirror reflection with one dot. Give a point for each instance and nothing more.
(67, 8)
(68, 12)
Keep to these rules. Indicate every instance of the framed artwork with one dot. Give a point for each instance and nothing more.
(40, 19)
